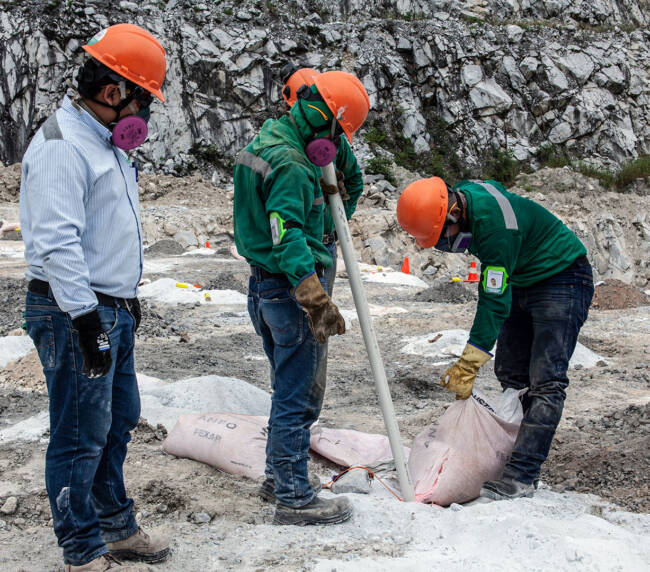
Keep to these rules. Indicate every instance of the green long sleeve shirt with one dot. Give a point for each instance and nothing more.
(279, 206)
(519, 243)
(346, 162)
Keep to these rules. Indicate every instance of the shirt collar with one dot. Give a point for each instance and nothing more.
(86, 118)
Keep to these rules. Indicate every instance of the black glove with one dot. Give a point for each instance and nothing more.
(136, 312)
(95, 345)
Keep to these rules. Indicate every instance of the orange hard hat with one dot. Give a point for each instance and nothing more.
(422, 210)
(346, 98)
(303, 76)
(133, 53)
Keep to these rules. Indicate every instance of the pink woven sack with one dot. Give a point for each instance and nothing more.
(467, 446)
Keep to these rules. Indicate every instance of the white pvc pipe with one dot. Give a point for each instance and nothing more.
(369, 337)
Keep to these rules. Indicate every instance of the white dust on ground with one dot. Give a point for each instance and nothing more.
(165, 402)
(168, 291)
(386, 275)
(13, 348)
(560, 532)
(447, 345)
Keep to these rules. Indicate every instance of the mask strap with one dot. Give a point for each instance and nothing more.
(125, 102)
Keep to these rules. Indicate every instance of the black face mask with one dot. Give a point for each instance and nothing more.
(458, 242)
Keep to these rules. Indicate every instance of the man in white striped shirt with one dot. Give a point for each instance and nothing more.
(81, 227)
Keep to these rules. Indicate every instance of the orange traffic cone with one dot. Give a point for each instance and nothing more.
(473, 274)
(405, 266)
(207, 244)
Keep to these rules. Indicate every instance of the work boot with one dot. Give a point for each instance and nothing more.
(506, 489)
(152, 547)
(107, 562)
(267, 489)
(317, 511)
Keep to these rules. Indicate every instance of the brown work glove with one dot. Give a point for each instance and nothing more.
(339, 188)
(324, 317)
(460, 377)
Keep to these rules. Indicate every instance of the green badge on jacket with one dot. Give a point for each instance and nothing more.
(277, 228)
(495, 280)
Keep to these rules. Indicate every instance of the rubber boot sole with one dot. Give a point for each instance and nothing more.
(151, 558)
(299, 520)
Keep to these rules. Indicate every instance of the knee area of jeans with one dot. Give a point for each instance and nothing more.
(283, 460)
(546, 388)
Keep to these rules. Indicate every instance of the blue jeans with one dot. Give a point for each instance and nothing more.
(533, 350)
(294, 356)
(90, 424)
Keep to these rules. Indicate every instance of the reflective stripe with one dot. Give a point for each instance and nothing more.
(51, 129)
(254, 162)
(504, 204)
(318, 201)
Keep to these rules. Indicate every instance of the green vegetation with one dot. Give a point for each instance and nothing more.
(501, 166)
(272, 8)
(381, 166)
(374, 137)
(629, 172)
(552, 156)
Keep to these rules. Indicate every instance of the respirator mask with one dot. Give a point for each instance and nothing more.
(131, 131)
(458, 242)
(320, 151)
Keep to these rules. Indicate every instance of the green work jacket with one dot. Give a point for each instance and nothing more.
(279, 208)
(346, 162)
(519, 243)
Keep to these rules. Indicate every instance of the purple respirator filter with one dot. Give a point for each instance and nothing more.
(320, 151)
(130, 132)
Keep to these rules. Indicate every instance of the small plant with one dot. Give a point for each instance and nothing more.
(502, 167)
(551, 156)
(227, 11)
(636, 169)
(374, 136)
(272, 8)
(605, 176)
(381, 166)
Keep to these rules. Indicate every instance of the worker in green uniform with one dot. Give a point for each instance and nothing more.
(279, 223)
(350, 186)
(534, 295)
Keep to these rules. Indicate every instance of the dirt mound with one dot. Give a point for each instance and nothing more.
(12, 304)
(607, 457)
(447, 292)
(227, 281)
(613, 294)
(10, 183)
(156, 322)
(165, 247)
(24, 373)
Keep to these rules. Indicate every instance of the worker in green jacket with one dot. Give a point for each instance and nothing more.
(534, 295)
(279, 211)
(350, 186)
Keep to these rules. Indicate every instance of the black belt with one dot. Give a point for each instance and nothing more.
(261, 274)
(42, 288)
(578, 262)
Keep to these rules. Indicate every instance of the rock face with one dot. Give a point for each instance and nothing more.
(499, 73)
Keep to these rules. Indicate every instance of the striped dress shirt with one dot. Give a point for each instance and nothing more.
(79, 211)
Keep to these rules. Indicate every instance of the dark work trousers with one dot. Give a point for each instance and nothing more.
(90, 425)
(294, 356)
(533, 350)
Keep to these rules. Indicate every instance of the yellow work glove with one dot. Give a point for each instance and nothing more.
(324, 317)
(460, 377)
